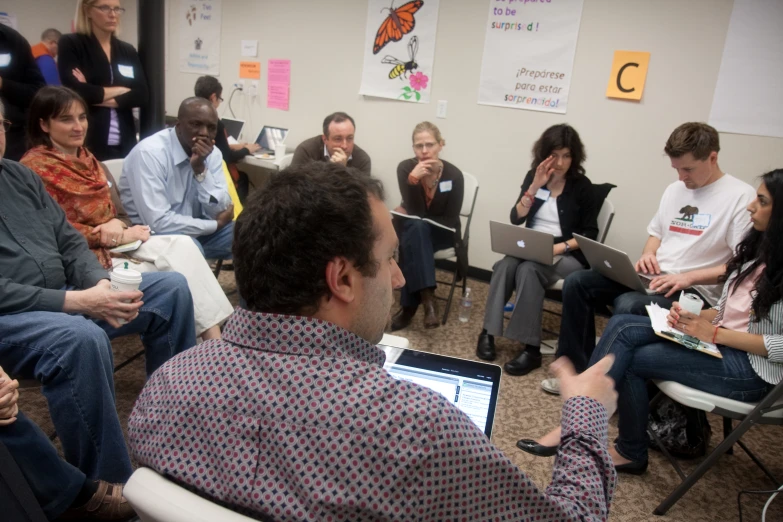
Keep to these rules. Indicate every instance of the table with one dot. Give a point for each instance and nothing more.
(268, 164)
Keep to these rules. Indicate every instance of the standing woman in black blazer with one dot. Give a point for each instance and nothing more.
(556, 198)
(107, 73)
(431, 188)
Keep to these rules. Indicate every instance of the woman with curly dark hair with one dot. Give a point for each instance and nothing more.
(747, 326)
(556, 198)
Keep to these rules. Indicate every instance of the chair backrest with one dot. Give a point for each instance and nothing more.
(285, 162)
(115, 167)
(605, 218)
(157, 499)
(468, 202)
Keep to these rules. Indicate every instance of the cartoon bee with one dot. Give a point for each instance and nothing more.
(401, 69)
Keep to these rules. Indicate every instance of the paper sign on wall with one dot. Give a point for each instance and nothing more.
(629, 71)
(529, 54)
(199, 36)
(278, 84)
(250, 70)
(249, 48)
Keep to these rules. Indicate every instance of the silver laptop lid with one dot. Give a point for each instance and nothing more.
(611, 263)
(522, 243)
(271, 137)
(233, 127)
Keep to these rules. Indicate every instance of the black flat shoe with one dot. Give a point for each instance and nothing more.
(485, 349)
(534, 448)
(632, 468)
(523, 364)
(403, 317)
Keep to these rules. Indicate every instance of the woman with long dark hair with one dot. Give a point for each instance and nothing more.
(747, 326)
(556, 198)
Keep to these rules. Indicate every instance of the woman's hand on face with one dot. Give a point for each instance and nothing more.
(690, 324)
(425, 168)
(543, 173)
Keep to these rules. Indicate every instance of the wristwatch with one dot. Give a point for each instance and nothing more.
(200, 177)
(567, 247)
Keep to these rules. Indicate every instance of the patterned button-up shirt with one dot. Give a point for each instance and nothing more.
(291, 418)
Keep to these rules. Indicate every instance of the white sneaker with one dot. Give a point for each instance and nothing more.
(548, 347)
(551, 385)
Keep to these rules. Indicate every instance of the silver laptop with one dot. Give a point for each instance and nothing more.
(269, 138)
(520, 242)
(615, 265)
(233, 127)
(471, 386)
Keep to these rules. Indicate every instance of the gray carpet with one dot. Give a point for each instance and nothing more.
(525, 411)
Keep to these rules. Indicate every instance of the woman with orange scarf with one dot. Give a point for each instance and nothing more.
(88, 194)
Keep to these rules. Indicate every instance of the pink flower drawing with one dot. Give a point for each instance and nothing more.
(419, 81)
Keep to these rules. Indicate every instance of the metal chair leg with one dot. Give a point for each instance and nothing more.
(451, 297)
(728, 425)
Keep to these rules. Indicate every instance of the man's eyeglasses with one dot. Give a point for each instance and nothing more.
(6, 126)
(105, 9)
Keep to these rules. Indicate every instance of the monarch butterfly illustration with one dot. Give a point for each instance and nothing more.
(399, 23)
(403, 68)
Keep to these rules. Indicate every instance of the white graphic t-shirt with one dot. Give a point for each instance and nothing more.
(701, 228)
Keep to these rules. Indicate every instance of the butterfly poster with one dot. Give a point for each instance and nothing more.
(529, 54)
(199, 35)
(400, 49)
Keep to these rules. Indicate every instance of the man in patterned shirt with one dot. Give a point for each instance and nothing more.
(292, 417)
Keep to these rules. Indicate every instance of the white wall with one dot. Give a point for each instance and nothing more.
(624, 140)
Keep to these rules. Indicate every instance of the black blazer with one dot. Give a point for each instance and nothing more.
(85, 53)
(576, 207)
(445, 206)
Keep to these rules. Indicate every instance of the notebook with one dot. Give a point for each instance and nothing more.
(661, 326)
(428, 220)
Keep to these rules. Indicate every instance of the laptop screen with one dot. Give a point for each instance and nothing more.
(271, 137)
(233, 127)
(471, 386)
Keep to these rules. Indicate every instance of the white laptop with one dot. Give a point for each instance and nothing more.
(523, 243)
(471, 386)
(233, 127)
(615, 265)
(269, 138)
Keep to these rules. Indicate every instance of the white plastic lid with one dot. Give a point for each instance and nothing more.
(126, 276)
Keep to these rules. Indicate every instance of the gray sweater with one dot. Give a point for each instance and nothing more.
(40, 252)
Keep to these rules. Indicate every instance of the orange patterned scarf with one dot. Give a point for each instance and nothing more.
(80, 187)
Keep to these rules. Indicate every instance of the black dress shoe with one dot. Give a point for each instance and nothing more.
(534, 448)
(403, 317)
(632, 468)
(523, 364)
(485, 349)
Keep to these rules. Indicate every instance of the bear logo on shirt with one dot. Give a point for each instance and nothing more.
(688, 212)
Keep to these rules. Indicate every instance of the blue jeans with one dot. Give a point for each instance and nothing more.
(54, 482)
(218, 244)
(583, 292)
(418, 242)
(71, 356)
(641, 355)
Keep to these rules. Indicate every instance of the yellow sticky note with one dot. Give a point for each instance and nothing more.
(629, 71)
(250, 70)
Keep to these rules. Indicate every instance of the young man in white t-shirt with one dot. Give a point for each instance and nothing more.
(700, 221)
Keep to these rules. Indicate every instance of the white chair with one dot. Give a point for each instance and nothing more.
(768, 411)
(157, 499)
(115, 167)
(460, 251)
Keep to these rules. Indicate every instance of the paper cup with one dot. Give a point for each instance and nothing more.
(691, 303)
(280, 151)
(124, 280)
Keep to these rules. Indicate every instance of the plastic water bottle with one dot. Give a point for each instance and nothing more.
(464, 309)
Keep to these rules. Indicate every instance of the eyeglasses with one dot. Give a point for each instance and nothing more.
(5, 127)
(105, 9)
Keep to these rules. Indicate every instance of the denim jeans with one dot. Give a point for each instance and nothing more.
(54, 482)
(218, 244)
(583, 292)
(418, 243)
(641, 355)
(71, 356)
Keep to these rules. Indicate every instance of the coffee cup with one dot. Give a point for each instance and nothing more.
(280, 151)
(691, 303)
(124, 280)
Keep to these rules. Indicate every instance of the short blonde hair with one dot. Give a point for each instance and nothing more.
(83, 25)
(433, 129)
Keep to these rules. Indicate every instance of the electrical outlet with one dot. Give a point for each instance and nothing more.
(253, 88)
(238, 85)
(441, 110)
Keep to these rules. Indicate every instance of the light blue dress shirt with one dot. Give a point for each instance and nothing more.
(158, 187)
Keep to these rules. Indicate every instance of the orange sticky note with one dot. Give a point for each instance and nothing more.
(250, 70)
(629, 72)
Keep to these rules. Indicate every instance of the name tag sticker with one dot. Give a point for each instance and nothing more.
(5, 59)
(701, 220)
(542, 194)
(126, 70)
(445, 186)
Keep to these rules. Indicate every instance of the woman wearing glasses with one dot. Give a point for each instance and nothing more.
(107, 73)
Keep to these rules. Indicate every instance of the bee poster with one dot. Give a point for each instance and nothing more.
(400, 49)
(529, 54)
(199, 36)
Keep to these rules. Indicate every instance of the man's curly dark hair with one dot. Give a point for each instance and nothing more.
(303, 218)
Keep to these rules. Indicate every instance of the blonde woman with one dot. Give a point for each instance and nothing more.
(431, 188)
(107, 73)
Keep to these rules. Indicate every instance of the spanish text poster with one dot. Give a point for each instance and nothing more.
(199, 36)
(399, 49)
(529, 54)
(278, 84)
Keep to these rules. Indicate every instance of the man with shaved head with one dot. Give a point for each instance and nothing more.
(173, 182)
